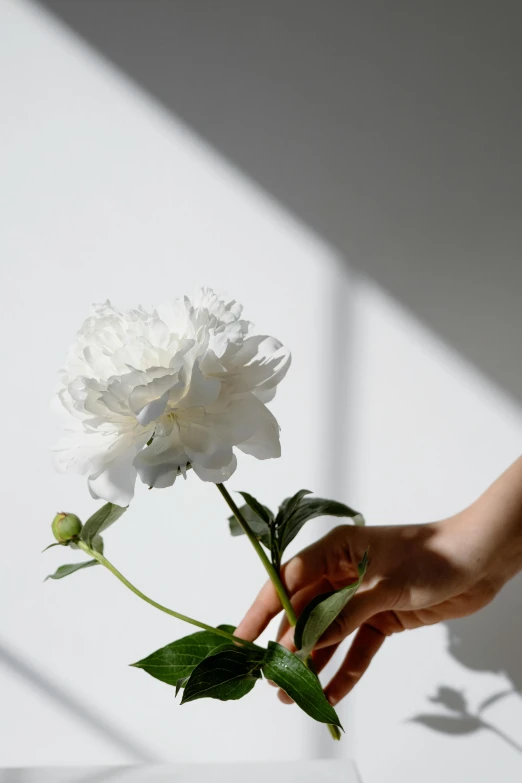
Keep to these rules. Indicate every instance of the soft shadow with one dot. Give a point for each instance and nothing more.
(488, 641)
(459, 720)
(71, 704)
(491, 639)
(392, 129)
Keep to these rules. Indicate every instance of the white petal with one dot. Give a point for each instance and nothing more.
(197, 437)
(262, 445)
(260, 363)
(264, 442)
(149, 400)
(115, 481)
(153, 410)
(159, 464)
(243, 418)
(265, 395)
(215, 474)
(83, 452)
(201, 391)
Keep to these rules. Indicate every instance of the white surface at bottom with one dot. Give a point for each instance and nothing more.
(338, 771)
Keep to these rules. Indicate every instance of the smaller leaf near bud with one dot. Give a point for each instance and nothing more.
(65, 527)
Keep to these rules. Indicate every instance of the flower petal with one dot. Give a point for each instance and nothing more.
(160, 463)
(149, 400)
(115, 481)
(153, 410)
(219, 474)
(201, 391)
(243, 418)
(260, 363)
(264, 441)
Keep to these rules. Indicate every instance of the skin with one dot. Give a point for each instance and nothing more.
(417, 575)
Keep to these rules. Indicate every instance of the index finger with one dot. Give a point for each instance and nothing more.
(303, 570)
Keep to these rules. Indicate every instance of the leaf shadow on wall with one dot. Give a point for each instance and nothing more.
(488, 641)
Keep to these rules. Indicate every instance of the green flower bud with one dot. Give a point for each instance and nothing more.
(65, 527)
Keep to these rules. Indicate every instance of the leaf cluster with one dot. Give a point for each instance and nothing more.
(277, 531)
(203, 666)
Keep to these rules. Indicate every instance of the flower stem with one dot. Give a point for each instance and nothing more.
(271, 571)
(274, 576)
(218, 631)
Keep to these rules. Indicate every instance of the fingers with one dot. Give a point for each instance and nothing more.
(302, 571)
(264, 608)
(365, 645)
(322, 657)
(360, 609)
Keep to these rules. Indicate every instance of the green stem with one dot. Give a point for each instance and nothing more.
(271, 571)
(274, 576)
(218, 631)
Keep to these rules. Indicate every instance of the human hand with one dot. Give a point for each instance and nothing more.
(417, 575)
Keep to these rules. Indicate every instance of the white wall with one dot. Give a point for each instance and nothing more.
(103, 194)
(430, 434)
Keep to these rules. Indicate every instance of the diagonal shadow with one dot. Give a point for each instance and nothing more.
(392, 129)
(74, 706)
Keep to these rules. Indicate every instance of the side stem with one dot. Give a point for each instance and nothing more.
(218, 631)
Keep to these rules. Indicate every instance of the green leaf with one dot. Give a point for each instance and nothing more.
(258, 518)
(100, 521)
(291, 674)
(50, 546)
(230, 673)
(181, 683)
(322, 611)
(65, 570)
(178, 660)
(262, 512)
(296, 511)
(288, 506)
(97, 544)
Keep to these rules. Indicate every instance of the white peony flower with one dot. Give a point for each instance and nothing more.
(152, 393)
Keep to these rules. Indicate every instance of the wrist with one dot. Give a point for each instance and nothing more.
(483, 542)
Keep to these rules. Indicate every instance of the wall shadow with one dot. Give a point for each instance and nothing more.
(392, 129)
(90, 718)
(488, 641)
(491, 639)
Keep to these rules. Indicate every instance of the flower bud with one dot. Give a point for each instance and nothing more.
(65, 527)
